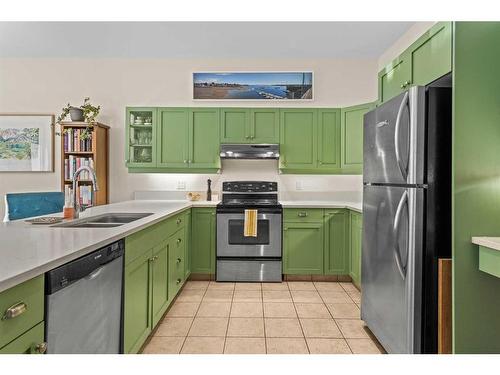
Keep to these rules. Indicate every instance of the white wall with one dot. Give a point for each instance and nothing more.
(404, 42)
(45, 85)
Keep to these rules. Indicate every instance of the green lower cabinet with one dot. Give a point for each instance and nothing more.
(161, 297)
(176, 262)
(137, 302)
(30, 342)
(356, 229)
(336, 242)
(303, 248)
(203, 240)
(187, 253)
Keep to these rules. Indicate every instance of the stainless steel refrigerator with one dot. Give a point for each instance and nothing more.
(406, 216)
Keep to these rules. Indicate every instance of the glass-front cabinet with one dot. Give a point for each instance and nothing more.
(141, 136)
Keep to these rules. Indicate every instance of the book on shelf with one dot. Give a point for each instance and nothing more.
(72, 163)
(84, 194)
(73, 143)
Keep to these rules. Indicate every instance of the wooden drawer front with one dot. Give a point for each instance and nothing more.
(303, 214)
(175, 223)
(28, 296)
(30, 342)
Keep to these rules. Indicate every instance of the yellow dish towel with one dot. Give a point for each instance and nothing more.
(250, 226)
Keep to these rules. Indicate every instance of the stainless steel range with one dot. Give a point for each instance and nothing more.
(241, 258)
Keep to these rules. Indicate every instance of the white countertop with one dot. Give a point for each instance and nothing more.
(28, 250)
(490, 242)
(355, 206)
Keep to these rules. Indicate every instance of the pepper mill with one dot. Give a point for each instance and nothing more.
(209, 190)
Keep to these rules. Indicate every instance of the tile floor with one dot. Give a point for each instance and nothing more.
(293, 317)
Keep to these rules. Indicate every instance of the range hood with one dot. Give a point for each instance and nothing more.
(244, 151)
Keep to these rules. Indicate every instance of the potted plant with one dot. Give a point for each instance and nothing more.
(87, 112)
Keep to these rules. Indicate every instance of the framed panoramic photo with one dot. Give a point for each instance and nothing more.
(253, 86)
(26, 143)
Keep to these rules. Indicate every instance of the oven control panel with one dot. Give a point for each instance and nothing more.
(249, 186)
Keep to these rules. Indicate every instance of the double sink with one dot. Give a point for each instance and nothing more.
(108, 220)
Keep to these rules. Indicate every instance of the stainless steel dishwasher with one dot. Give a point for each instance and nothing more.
(84, 303)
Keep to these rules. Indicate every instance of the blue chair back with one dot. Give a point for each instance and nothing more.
(23, 205)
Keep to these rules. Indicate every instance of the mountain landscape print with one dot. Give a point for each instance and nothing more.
(17, 143)
(253, 86)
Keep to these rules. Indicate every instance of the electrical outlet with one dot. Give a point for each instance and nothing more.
(181, 185)
(298, 185)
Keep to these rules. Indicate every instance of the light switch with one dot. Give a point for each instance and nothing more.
(181, 185)
(298, 185)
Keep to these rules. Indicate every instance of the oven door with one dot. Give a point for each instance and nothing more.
(232, 243)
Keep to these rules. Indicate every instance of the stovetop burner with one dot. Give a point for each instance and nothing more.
(249, 194)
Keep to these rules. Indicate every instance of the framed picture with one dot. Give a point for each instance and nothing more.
(253, 86)
(26, 143)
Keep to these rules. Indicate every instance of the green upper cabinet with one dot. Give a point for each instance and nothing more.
(427, 59)
(352, 137)
(431, 54)
(298, 143)
(336, 242)
(329, 139)
(204, 138)
(249, 125)
(264, 125)
(203, 240)
(234, 125)
(141, 127)
(173, 137)
(394, 78)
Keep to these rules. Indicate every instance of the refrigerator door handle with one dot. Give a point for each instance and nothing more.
(402, 167)
(397, 250)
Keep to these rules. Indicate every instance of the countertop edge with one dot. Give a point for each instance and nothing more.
(489, 242)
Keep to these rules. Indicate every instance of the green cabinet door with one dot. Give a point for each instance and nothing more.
(30, 342)
(264, 125)
(431, 54)
(234, 125)
(303, 248)
(203, 240)
(352, 137)
(204, 138)
(159, 279)
(394, 78)
(173, 138)
(137, 302)
(176, 261)
(336, 242)
(355, 242)
(187, 250)
(298, 138)
(141, 137)
(329, 139)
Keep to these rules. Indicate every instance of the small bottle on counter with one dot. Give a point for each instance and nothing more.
(209, 190)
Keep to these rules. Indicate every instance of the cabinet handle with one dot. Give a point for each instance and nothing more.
(178, 281)
(247, 136)
(285, 228)
(179, 221)
(302, 214)
(14, 311)
(40, 348)
(185, 161)
(190, 161)
(179, 240)
(320, 162)
(179, 260)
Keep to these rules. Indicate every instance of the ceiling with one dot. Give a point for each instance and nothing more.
(199, 39)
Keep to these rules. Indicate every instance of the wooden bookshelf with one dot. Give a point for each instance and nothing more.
(98, 152)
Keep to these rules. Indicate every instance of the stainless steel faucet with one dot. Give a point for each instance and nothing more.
(76, 205)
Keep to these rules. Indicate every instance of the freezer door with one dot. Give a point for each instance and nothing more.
(394, 140)
(390, 266)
